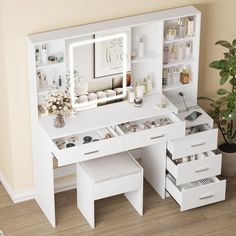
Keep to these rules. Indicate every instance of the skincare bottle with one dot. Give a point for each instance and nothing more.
(37, 57)
(145, 85)
(131, 95)
(188, 50)
(44, 54)
(181, 27)
(173, 54)
(164, 77)
(44, 83)
(175, 74)
(149, 83)
(165, 54)
(141, 47)
(184, 76)
(190, 26)
(169, 76)
(180, 52)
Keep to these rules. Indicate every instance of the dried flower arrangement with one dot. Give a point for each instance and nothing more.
(59, 104)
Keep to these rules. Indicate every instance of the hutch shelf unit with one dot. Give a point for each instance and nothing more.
(177, 155)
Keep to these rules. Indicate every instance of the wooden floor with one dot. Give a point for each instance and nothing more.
(115, 216)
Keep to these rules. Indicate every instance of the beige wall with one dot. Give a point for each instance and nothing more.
(30, 16)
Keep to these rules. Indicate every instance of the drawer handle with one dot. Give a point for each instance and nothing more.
(198, 144)
(202, 169)
(160, 136)
(205, 196)
(88, 153)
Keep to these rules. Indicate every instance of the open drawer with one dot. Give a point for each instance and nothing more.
(205, 165)
(86, 146)
(197, 193)
(150, 131)
(204, 139)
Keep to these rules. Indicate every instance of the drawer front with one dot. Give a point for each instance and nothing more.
(89, 151)
(203, 195)
(153, 136)
(195, 170)
(197, 196)
(193, 144)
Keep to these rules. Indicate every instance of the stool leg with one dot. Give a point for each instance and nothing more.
(85, 201)
(136, 198)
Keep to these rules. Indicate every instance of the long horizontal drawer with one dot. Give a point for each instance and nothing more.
(186, 172)
(196, 196)
(155, 135)
(88, 151)
(193, 143)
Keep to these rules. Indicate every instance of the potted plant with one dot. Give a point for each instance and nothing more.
(59, 105)
(223, 109)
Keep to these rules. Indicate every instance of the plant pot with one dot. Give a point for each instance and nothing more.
(228, 159)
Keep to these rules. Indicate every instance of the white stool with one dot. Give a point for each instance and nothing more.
(108, 176)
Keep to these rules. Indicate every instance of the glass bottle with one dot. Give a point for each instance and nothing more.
(180, 52)
(190, 26)
(165, 54)
(181, 27)
(164, 76)
(188, 49)
(184, 76)
(173, 54)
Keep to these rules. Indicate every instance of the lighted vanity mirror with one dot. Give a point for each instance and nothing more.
(98, 71)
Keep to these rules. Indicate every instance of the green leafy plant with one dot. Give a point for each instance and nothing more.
(223, 110)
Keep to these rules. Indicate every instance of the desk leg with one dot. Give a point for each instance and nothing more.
(44, 177)
(154, 165)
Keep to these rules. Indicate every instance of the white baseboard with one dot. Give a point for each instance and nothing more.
(28, 194)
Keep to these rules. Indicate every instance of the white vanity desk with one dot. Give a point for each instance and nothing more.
(192, 183)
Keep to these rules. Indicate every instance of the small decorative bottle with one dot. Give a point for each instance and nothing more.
(164, 77)
(37, 57)
(141, 47)
(131, 95)
(190, 26)
(44, 54)
(165, 54)
(149, 83)
(181, 27)
(173, 54)
(180, 53)
(184, 76)
(145, 85)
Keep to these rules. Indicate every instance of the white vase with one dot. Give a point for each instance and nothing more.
(228, 163)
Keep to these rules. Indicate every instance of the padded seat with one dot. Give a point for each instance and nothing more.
(108, 176)
(110, 167)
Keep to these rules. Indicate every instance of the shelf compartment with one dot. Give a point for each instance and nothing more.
(200, 195)
(207, 166)
(196, 143)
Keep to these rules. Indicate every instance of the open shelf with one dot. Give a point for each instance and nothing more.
(50, 65)
(147, 56)
(179, 63)
(179, 40)
(175, 86)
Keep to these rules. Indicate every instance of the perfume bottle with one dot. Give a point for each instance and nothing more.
(44, 54)
(173, 54)
(181, 27)
(190, 26)
(164, 76)
(184, 76)
(145, 85)
(149, 83)
(171, 33)
(188, 49)
(165, 54)
(131, 95)
(175, 74)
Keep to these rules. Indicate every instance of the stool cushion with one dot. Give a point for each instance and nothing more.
(110, 167)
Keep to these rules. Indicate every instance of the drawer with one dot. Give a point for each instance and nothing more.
(86, 151)
(198, 194)
(207, 165)
(203, 141)
(147, 136)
